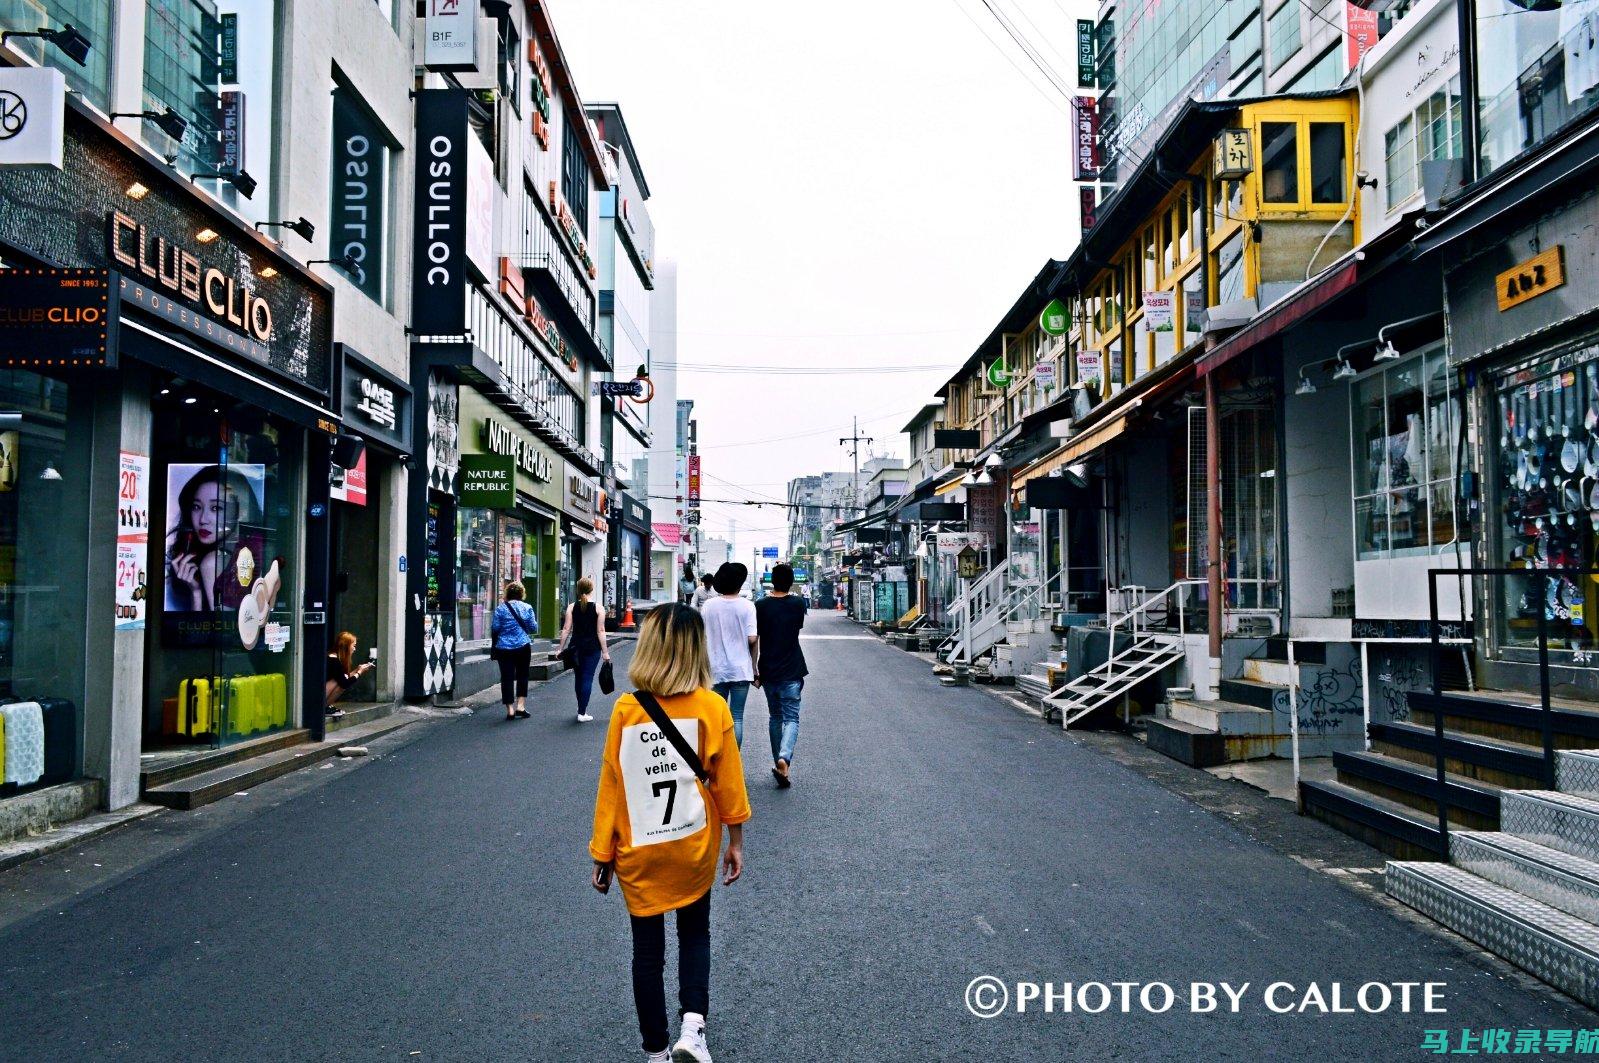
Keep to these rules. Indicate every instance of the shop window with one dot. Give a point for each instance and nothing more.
(1537, 72)
(91, 17)
(44, 496)
(1327, 162)
(1279, 162)
(475, 595)
(1148, 275)
(1283, 34)
(1404, 442)
(358, 213)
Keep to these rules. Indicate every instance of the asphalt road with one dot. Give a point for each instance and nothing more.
(433, 904)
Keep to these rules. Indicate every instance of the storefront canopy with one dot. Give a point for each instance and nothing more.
(1076, 450)
(1288, 312)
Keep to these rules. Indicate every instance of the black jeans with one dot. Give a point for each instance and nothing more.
(693, 969)
(513, 673)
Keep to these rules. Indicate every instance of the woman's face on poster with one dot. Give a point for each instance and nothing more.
(210, 512)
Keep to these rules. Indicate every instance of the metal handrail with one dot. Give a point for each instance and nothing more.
(1138, 611)
(1546, 719)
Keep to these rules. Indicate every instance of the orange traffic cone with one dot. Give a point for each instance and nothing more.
(627, 616)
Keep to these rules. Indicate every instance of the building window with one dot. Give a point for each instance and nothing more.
(1404, 437)
(181, 71)
(91, 17)
(1537, 71)
(575, 172)
(1327, 72)
(1282, 33)
(1399, 149)
(1327, 162)
(1279, 162)
(1230, 271)
(1431, 133)
(357, 216)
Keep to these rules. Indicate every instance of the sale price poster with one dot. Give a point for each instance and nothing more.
(133, 540)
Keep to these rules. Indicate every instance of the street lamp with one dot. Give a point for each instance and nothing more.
(169, 121)
(67, 38)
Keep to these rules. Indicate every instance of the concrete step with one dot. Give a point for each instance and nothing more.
(1574, 725)
(206, 787)
(1393, 827)
(1567, 822)
(1509, 764)
(1546, 942)
(1268, 670)
(1472, 803)
(157, 771)
(40, 810)
(356, 715)
(1251, 692)
(1225, 717)
(1556, 878)
(1033, 685)
(1196, 746)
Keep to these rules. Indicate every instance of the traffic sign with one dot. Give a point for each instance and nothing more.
(768, 551)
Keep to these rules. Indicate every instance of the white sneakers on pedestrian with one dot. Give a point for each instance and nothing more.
(584, 717)
(663, 1056)
(691, 1047)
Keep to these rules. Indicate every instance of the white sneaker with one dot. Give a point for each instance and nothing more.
(584, 717)
(691, 1046)
(663, 1056)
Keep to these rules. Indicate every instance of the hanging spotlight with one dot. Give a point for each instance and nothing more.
(1345, 371)
(67, 38)
(50, 472)
(1386, 353)
(1305, 386)
(301, 227)
(169, 121)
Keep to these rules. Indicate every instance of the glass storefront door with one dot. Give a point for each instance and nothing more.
(228, 487)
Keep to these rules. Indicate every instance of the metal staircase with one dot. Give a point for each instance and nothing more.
(1149, 654)
(984, 611)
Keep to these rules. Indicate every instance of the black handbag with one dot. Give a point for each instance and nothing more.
(658, 717)
(607, 678)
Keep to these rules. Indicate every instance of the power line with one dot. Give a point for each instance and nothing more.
(1003, 54)
(801, 370)
(1021, 10)
(1028, 50)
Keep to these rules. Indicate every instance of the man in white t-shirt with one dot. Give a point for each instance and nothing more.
(730, 637)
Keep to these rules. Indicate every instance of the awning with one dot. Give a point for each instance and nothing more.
(1283, 315)
(951, 485)
(1074, 451)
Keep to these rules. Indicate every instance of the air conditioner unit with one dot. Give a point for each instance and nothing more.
(1235, 314)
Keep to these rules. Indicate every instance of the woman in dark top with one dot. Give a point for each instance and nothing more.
(343, 672)
(584, 631)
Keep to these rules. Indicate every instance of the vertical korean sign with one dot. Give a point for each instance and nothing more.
(1085, 53)
(693, 479)
(1362, 31)
(133, 540)
(1085, 139)
(1087, 205)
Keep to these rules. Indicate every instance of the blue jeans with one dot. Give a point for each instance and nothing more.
(782, 713)
(587, 665)
(735, 693)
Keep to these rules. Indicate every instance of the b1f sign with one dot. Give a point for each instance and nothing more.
(451, 35)
(33, 105)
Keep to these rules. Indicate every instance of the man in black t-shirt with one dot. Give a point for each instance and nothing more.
(778, 619)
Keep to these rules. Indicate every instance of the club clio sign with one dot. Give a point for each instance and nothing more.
(177, 270)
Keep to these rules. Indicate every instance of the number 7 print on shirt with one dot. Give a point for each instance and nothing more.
(664, 802)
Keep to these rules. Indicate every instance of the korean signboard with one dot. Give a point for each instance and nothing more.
(1055, 319)
(1087, 206)
(1090, 366)
(1085, 139)
(1160, 311)
(376, 405)
(1085, 53)
(693, 479)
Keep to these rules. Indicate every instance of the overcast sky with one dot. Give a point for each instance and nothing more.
(864, 184)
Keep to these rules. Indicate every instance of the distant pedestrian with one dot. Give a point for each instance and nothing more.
(730, 637)
(514, 628)
(704, 592)
(342, 671)
(670, 779)
(584, 632)
(781, 671)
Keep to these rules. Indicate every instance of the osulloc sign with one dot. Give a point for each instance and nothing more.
(438, 282)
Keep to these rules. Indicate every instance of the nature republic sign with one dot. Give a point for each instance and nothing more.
(488, 481)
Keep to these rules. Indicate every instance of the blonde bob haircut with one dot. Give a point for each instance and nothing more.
(671, 657)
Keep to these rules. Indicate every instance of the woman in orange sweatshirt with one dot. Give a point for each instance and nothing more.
(658, 820)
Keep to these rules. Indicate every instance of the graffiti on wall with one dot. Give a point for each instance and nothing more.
(1329, 694)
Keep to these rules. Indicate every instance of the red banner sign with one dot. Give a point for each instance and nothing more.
(1088, 206)
(693, 479)
(1362, 32)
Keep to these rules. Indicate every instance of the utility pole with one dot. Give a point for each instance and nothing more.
(855, 440)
